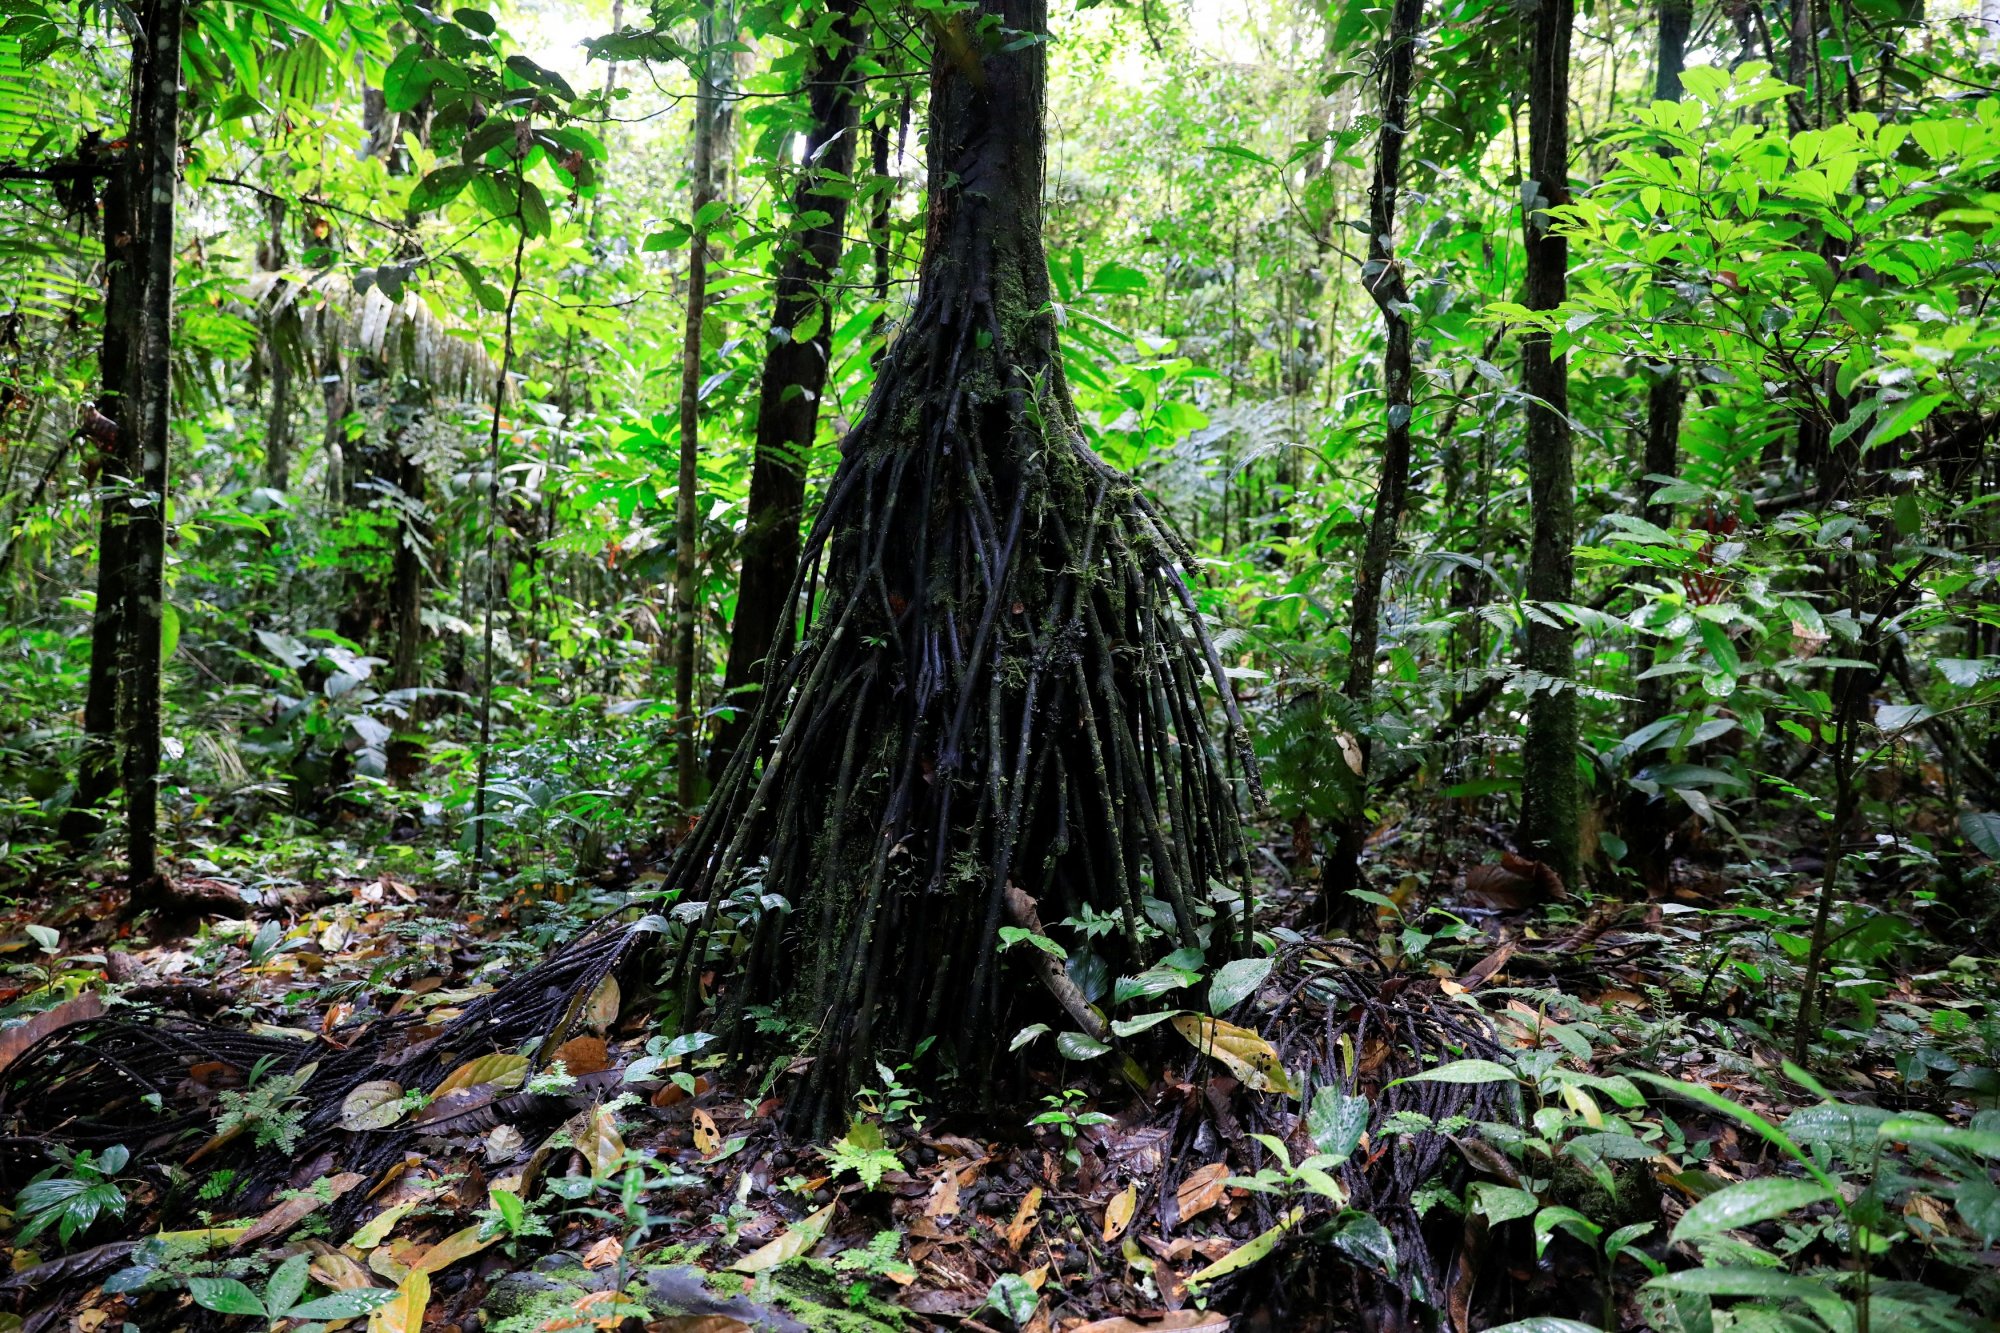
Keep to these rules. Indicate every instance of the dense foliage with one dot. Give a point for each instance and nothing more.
(1565, 447)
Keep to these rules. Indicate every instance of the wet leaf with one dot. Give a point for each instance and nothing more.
(798, 1238)
(1747, 1203)
(1245, 1054)
(1234, 983)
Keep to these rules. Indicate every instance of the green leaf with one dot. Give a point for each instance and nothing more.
(1770, 1133)
(671, 236)
(170, 631)
(1027, 1034)
(1932, 1133)
(1982, 829)
(1234, 982)
(1133, 1026)
(1502, 1203)
(1013, 1297)
(1079, 1046)
(710, 214)
(1762, 1282)
(1746, 1203)
(1906, 417)
(535, 218)
(523, 68)
(1363, 1237)
(225, 1295)
(342, 1304)
(440, 187)
(1013, 935)
(1464, 1071)
(1336, 1122)
(286, 1286)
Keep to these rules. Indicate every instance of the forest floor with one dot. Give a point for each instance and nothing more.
(672, 1198)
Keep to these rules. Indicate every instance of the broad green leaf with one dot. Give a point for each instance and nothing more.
(1336, 1122)
(1909, 1129)
(224, 1295)
(1235, 982)
(1464, 1071)
(1747, 1203)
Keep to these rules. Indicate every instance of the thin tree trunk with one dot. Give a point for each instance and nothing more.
(278, 425)
(1382, 275)
(795, 376)
(149, 398)
(710, 131)
(1549, 795)
(108, 433)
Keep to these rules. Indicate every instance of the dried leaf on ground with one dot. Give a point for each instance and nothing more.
(943, 1198)
(501, 1071)
(600, 1143)
(583, 1055)
(1176, 1321)
(604, 1253)
(376, 1104)
(1025, 1218)
(1118, 1213)
(282, 1217)
(458, 1245)
(798, 1238)
(18, 1039)
(1202, 1190)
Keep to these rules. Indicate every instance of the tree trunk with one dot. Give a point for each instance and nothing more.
(1383, 277)
(1645, 821)
(1001, 684)
(795, 375)
(97, 767)
(279, 328)
(148, 397)
(1549, 796)
(711, 125)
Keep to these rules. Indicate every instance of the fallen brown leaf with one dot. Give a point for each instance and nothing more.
(1202, 1190)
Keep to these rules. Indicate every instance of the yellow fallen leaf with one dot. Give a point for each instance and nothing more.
(1245, 1054)
(404, 1312)
(797, 1239)
(379, 1226)
(458, 1245)
(707, 1139)
(1118, 1213)
(1025, 1218)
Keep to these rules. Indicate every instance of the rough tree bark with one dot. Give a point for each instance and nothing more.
(711, 128)
(1382, 275)
(278, 437)
(1549, 797)
(97, 766)
(148, 401)
(795, 375)
(1002, 679)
